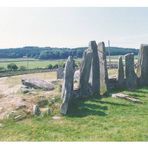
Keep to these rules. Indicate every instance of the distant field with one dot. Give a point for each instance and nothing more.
(35, 63)
(30, 63)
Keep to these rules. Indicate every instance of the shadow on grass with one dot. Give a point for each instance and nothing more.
(82, 108)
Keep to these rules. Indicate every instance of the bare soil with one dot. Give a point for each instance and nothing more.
(11, 97)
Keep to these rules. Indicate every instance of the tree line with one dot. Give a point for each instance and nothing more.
(45, 53)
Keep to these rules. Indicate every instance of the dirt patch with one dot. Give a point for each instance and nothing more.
(11, 98)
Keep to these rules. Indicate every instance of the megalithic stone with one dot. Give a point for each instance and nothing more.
(67, 89)
(85, 73)
(121, 81)
(94, 79)
(60, 73)
(131, 78)
(103, 69)
(142, 70)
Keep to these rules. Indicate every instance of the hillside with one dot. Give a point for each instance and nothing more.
(56, 53)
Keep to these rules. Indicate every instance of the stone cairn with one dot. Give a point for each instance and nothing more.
(94, 80)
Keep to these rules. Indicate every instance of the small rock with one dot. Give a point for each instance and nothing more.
(36, 110)
(56, 117)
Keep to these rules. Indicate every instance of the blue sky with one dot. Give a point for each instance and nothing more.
(73, 27)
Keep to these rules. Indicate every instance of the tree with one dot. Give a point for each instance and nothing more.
(12, 67)
(2, 69)
(22, 68)
(55, 66)
(50, 66)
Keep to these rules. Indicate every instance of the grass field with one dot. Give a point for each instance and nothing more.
(105, 119)
(30, 63)
(35, 63)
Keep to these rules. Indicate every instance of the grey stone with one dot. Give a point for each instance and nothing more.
(121, 81)
(36, 110)
(67, 88)
(85, 68)
(37, 84)
(60, 73)
(94, 79)
(131, 78)
(142, 70)
(25, 89)
(103, 69)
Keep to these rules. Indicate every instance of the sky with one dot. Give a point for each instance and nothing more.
(72, 27)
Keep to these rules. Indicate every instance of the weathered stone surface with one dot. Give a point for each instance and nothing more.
(67, 88)
(25, 89)
(94, 79)
(37, 84)
(126, 97)
(121, 81)
(85, 73)
(36, 110)
(142, 70)
(60, 73)
(103, 69)
(131, 78)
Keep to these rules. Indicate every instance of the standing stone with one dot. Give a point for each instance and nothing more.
(60, 73)
(36, 110)
(142, 70)
(94, 79)
(67, 89)
(103, 69)
(85, 73)
(131, 78)
(121, 73)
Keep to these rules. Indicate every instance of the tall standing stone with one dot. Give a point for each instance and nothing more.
(103, 69)
(121, 81)
(142, 70)
(60, 73)
(131, 78)
(85, 73)
(67, 89)
(94, 79)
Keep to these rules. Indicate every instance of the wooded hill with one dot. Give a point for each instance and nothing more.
(56, 53)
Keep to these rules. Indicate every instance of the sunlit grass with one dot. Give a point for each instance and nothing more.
(105, 119)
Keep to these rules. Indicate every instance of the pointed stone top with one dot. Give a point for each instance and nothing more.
(70, 58)
(101, 45)
(92, 44)
(129, 54)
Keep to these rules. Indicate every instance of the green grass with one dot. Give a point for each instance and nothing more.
(31, 63)
(106, 119)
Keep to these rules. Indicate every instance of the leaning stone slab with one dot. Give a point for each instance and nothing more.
(94, 79)
(142, 70)
(121, 81)
(126, 97)
(103, 69)
(37, 84)
(67, 88)
(85, 73)
(131, 78)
